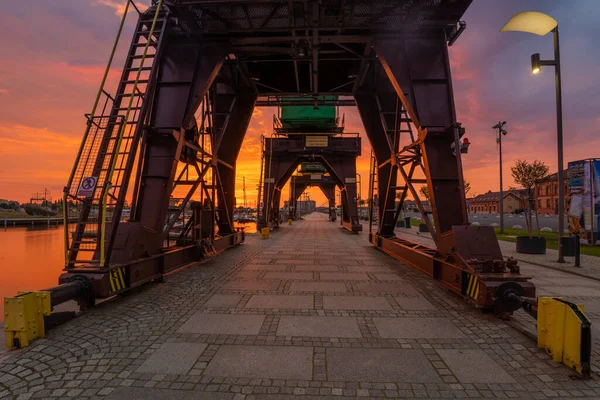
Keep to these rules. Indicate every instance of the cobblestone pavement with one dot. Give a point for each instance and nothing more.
(550, 282)
(313, 312)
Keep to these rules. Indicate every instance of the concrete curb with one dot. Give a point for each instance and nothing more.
(566, 271)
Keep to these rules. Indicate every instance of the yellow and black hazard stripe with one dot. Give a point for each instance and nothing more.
(117, 278)
(470, 285)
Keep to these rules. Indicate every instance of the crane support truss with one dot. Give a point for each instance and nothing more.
(299, 183)
(167, 140)
(283, 155)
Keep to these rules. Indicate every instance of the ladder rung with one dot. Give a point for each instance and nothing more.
(138, 68)
(152, 43)
(127, 108)
(140, 56)
(133, 81)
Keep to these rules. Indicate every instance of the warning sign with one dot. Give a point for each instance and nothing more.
(87, 186)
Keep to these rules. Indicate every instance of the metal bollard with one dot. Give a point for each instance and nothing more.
(264, 233)
(577, 251)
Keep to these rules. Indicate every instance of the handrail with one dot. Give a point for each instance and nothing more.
(121, 133)
(87, 131)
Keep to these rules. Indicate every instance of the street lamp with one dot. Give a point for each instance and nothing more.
(542, 24)
(501, 132)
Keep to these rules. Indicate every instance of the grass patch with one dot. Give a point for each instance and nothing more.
(509, 235)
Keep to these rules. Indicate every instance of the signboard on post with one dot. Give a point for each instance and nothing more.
(87, 186)
(584, 193)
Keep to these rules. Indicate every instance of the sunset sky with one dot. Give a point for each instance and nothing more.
(53, 55)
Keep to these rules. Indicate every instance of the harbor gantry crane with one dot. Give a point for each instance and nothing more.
(166, 140)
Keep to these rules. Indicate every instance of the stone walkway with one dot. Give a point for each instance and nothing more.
(313, 312)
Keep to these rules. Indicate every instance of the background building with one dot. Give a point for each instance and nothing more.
(306, 205)
(489, 202)
(546, 194)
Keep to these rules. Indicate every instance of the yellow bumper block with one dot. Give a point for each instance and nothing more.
(565, 333)
(24, 317)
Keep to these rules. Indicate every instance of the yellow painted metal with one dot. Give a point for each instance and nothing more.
(87, 131)
(264, 233)
(560, 329)
(24, 317)
(289, 221)
(121, 133)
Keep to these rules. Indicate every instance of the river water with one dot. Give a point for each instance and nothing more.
(32, 258)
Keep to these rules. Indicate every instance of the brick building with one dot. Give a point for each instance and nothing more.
(490, 202)
(546, 194)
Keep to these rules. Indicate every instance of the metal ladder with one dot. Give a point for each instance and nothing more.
(372, 189)
(110, 146)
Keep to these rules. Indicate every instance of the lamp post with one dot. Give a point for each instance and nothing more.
(542, 24)
(501, 132)
(359, 196)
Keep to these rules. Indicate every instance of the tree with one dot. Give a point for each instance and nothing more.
(528, 175)
(467, 186)
(424, 190)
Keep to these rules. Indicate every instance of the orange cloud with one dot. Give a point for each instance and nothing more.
(33, 159)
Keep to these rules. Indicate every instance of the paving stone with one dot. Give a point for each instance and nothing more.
(292, 261)
(367, 268)
(415, 304)
(344, 276)
(355, 303)
(318, 287)
(267, 362)
(247, 275)
(263, 267)
(392, 288)
(173, 358)
(302, 397)
(277, 301)
(223, 301)
(319, 268)
(226, 324)
(318, 327)
(474, 366)
(289, 275)
(417, 328)
(388, 277)
(135, 393)
(379, 365)
(251, 285)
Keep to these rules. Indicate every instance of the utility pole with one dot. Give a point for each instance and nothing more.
(501, 132)
(244, 190)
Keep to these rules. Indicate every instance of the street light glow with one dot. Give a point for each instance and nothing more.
(536, 63)
(532, 22)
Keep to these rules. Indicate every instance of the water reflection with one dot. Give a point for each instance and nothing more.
(32, 258)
